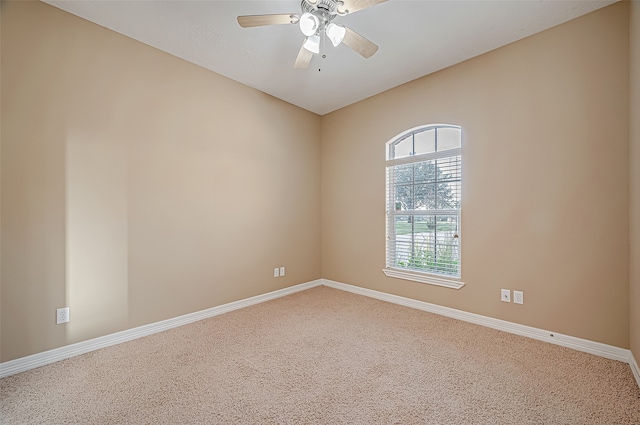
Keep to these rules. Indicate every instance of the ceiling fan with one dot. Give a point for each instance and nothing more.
(316, 22)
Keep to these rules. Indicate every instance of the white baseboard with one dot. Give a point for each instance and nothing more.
(40, 359)
(599, 349)
(634, 367)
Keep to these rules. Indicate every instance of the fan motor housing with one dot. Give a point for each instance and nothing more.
(325, 10)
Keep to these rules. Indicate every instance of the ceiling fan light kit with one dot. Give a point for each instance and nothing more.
(335, 33)
(315, 22)
(312, 44)
(309, 24)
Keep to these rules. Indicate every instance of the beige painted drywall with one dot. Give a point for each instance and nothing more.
(546, 179)
(634, 138)
(137, 187)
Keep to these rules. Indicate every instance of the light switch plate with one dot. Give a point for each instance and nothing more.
(505, 295)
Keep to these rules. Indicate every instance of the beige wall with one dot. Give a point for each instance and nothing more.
(138, 187)
(635, 177)
(546, 179)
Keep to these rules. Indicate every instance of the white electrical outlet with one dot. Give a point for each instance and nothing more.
(505, 295)
(276, 272)
(282, 271)
(62, 315)
(518, 297)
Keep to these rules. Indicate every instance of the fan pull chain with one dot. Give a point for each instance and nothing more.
(322, 43)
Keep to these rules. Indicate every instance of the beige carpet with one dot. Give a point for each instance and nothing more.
(325, 356)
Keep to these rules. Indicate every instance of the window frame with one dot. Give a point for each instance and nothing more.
(427, 277)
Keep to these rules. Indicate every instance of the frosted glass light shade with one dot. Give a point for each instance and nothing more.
(309, 24)
(335, 33)
(312, 44)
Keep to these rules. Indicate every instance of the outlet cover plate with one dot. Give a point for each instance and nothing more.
(518, 297)
(62, 315)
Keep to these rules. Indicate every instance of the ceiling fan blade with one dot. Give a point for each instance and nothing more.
(304, 58)
(352, 6)
(359, 43)
(261, 20)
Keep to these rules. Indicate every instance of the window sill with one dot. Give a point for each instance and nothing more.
(424, 278)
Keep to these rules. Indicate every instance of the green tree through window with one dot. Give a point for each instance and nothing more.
(423, 201)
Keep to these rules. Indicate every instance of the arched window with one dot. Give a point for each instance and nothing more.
(424, 194)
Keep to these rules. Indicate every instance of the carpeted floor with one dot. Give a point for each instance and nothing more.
(325, 356)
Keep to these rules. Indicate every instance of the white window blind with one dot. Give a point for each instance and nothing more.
(424, 175)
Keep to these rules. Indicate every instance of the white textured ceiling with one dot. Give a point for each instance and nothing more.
(416, 38)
